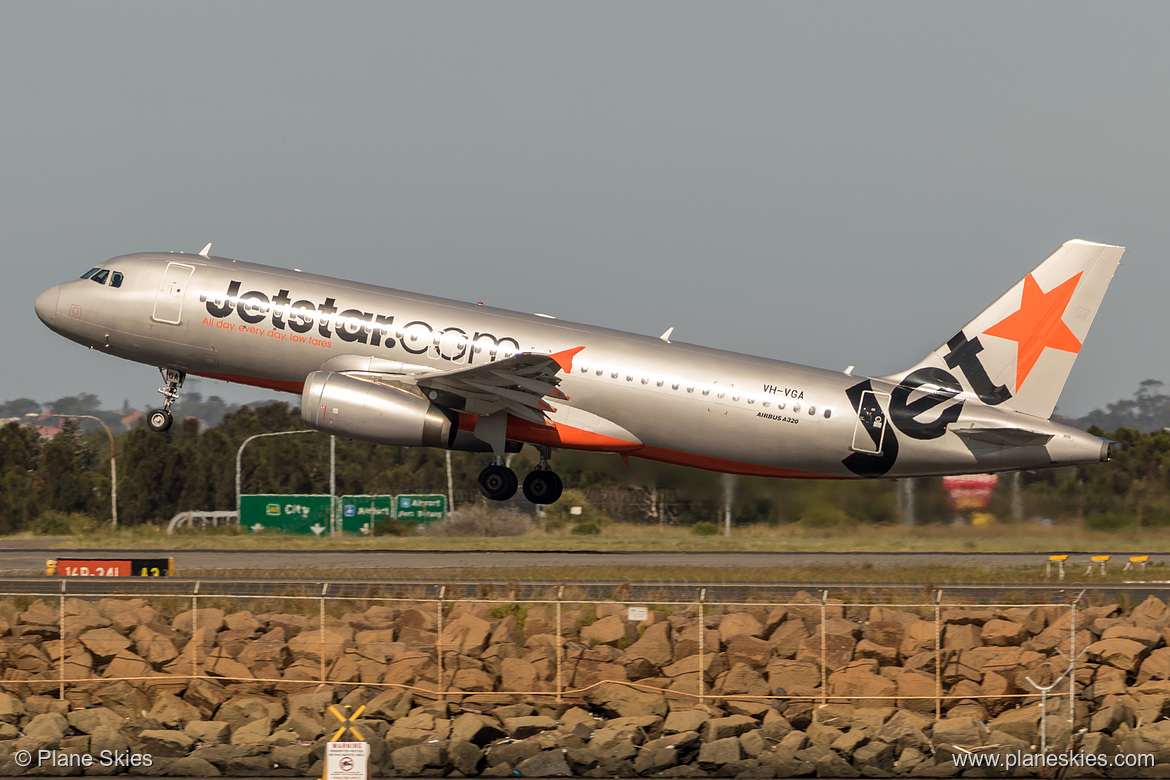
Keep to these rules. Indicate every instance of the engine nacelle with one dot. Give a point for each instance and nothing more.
(385, 414)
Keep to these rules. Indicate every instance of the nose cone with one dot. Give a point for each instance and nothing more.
(47, 305)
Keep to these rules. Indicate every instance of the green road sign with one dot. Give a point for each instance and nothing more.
(289, 514)
(422, 507)
(360, 514)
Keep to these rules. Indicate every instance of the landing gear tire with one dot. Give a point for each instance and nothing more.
(543, 487)
(159, 419)
(498, 483)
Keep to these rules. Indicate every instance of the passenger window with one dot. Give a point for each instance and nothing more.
(100, 277)
(116, 279)
(90, 273)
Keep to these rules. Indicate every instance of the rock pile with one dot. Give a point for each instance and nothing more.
(803, 689)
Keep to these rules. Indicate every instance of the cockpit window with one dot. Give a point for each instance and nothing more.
(90, 273)
(116, 279)
(100, 277)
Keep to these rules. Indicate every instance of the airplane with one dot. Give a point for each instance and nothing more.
(401, 368)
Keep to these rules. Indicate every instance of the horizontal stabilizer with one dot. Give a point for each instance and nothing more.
(1005, 437)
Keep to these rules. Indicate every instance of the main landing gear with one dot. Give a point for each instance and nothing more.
(498, 482)
(161, 419)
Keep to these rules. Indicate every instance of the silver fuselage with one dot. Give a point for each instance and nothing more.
(660, 400)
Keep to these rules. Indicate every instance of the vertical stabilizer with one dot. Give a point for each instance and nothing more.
(1018, 353)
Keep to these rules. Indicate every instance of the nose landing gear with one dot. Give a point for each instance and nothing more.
(161, 419)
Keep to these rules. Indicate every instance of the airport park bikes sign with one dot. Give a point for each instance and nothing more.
(314, 514)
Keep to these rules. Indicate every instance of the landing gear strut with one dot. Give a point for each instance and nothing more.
(161, 419)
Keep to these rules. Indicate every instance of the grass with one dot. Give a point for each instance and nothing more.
(1001, 537)
(1075, 576)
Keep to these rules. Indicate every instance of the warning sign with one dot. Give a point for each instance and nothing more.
(347, 760)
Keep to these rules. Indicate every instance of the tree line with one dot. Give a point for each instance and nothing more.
(193, 466)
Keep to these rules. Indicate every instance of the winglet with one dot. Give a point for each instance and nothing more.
(564, 358)
(205, 250)
(666, 336)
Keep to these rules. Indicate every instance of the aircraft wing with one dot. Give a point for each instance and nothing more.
(517, 385)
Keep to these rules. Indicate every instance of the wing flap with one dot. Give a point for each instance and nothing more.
(517, 385)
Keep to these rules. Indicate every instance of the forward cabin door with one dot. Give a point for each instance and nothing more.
(168, 303)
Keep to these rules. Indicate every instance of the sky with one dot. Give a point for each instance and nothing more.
(827, 183)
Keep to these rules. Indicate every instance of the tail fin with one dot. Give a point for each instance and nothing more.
(1018, 353)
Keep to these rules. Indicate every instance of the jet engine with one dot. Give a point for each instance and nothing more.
(382, 413)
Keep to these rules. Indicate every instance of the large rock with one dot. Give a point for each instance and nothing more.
(739, 624)
(426, 760)
(747, 649)
(1156, 666)
(835, 649)
(885, 633)
(786, 638)
(466, 634)
(205, 622)
(619, 701)
(1124, 654)
(962, 732)
(717, 729)
(241, 710)
(902, 732)
(104, 643)
(1152, 614)
(165, 743)
(44, 731)
(865, 685)
(609, 631)
(1021, 723)
(920, 638)
(330, 641)
(172, 711)
(476, 729)
(547, 763)
(715, 754)
(89, 720)
(1002, 633)
(1144, 636)
(916, 691)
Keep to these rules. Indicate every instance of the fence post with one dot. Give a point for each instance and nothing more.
(61, 633)
(1072, 672)
(938, 655)
(702, 646)
(560, 644)
(321, 630)
(824, 648)
(195, 631)
(439, 640)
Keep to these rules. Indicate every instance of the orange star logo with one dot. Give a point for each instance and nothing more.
(1038, 324)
